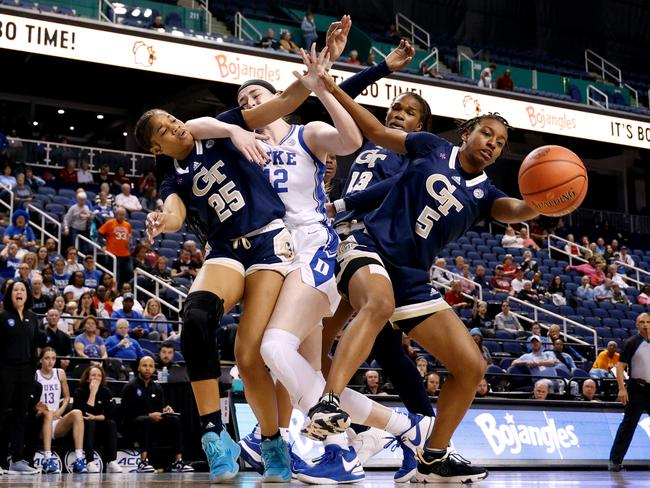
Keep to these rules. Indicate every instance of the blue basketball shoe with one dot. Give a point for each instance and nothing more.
(336, 465)
(51, 466)
(251, 451)
(222, 453)
(277, 462)
(298, 464)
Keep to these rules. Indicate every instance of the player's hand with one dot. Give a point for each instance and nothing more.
(155, 416)
(401, 56)
(331, 211)
(168, 409)
(316, 66)
(247, 144)
(622, 396)
(155, 225)
(337, 37)
(89, 416)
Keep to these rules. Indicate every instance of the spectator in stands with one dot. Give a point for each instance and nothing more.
(509, 267)
(183, 266)
(137, 328)
(102, 302)
(459, 262)
(554, 334)
(480, 278)
(528, 294)
(52, 250)
(144, 414)
(440, 277)
(603, 293)
(33, 181)
(644, 297)
(140, 259)
(103, 176)
(92, 276)
(528, 241)
(605, 361)
(195, 252)
(89, 344)
(75, 287)
(77, 219)
(618, 295)
(55, 338)
(19, 230)
(41, 302)
(9, 261)
(499, 283)
(626, 258)
(566, 362)
(72, 263)
(18, 345)
(124, 289)
(432, 383)
(422, 364)
(540, 362)
(118, 233)
(589, 389)
(42, 258)
(69, 311)
(353, 57)
(23, 194)
(287, 44)
(483, 389)
(56, 422)
(158, 320)
(161, 270)
(149, 201)
(481, 320)
(95, 399)
(158, 24)
(541, 390)
(616, 277)
(393, 34)
(571, 247)
(517, 283)
(49, 288)
(127, 200)
(68, 174)
(537, 284)
(477, 335)
(370, 60)
(485, 79)
(430, 71)
(372, 383)
(165, 358)
(85, 307)
(121, 346)
(84, 175)
(120, 178)
(505, 320)
(558, 289)
(308, 29)
(585, 292)
(536, 329)
(103, 206)
(504, 82)
(510, 239)
(589, 269)
(61, 278)
(270, 41)
(467, 285)
(454, 297)
(600, 245)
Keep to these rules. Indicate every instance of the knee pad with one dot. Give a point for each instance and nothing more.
(202, 312)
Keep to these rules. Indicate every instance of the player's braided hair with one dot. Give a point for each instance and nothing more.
(468, 125)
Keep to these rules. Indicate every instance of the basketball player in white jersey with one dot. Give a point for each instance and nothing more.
(296, 169)
(56, 423)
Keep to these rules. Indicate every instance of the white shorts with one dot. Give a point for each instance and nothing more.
(54, 424)
(315, 256)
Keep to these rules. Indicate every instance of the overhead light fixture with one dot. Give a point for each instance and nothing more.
(35, 123)
(119, 9)
(60, 111)
(136, 12)
(147, 13)
(125, 134)
(100, 116)
(72, 127)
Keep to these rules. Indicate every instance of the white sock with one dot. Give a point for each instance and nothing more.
(397, 424)
(257, 432)
(284, 433)
(340, 440)
(48, 454)
(79, 453)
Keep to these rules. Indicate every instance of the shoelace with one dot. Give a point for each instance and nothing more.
(243, 240)
(214, 450)
(273, 458)
(393, 443)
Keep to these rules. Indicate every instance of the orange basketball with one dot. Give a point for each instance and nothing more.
(553, 180)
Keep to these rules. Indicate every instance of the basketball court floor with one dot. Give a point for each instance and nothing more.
(374, 479)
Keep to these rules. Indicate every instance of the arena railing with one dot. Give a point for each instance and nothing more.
(138, 288)
(505, 226)
(403, 23)
(552, 247)
(591, 100)
(241, 24)
(43, 154)
(42, 228)
(535, 317)
(458, 277)
(604, 68)
(632, 223)
(434, 53)
(103, 251)
(637, 271)
(461, 57)
(9, 206)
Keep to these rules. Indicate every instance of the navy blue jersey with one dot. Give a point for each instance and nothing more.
(230, 196)
(430, 205)
(372, 165)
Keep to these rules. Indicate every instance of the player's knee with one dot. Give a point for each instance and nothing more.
(380, 308)
(77, 415)
(249, 359)
(276, 345)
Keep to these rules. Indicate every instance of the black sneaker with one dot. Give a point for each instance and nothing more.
(615, 467)
(449, 468)
(181, 466)
(326, 418)
(145, 467)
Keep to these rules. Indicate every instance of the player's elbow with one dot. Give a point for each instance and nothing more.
(349, 144)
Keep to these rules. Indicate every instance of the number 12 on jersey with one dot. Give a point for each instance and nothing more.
(278, 178)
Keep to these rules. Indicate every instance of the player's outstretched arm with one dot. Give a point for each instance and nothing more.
(344, 137)
(169, 220)
(512, 210)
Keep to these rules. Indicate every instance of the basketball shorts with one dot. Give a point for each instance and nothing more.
(415, 298)
(315, 256)
(267, 248)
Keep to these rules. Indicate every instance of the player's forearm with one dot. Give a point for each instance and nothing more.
(276, 108)
(209, 128)
(348, 137)
(620, 376)
(512, 210)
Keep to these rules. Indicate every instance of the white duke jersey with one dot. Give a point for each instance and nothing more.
(51, 395)
(432, 203)
(296, 175)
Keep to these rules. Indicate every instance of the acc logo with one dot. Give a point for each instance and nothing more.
(39, 459)
(70, 458)
(143, 55)
(514, 436)
(478, 193)
(11, 322)
(138, 392)
(209, 144)
(128, 459)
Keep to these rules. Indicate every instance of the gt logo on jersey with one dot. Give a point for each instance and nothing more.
(370, 157)
(441, 190)
(227, 199)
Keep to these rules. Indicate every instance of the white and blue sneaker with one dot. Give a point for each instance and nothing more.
(336, 465)
(251, 451)
(79, 466)
(276, 459)
(415, 437)
(409, 466)
(222, 453)
(298, 464)
(51, 466)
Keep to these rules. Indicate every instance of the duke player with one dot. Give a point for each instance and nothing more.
(248, 249)
(441, 194)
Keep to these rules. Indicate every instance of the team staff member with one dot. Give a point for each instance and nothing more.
(636, 398)
(18, 345)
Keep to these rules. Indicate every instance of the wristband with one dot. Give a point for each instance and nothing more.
(339, 205)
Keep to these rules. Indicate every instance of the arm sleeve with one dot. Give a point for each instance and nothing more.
(372, 197)
(30, 234)
(419, 144)
(354, 85)
(112, 346)
(234, 117)
(167, 187)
